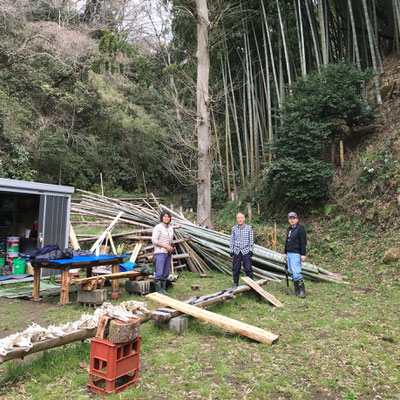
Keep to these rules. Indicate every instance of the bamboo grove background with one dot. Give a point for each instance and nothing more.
(86, 87)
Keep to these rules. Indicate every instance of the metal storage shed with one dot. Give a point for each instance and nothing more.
(40, 206)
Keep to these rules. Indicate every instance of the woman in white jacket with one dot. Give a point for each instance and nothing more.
(163, 235)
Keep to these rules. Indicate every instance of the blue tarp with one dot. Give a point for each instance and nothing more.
(128, 266)
(101, 257)
(5, 277)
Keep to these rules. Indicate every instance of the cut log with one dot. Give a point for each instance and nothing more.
(262, 292)
(103, 327)
(122, 332)
(242, 328)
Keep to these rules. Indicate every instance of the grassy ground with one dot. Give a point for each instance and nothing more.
(341, 342)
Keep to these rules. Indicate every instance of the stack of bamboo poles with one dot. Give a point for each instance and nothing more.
(202, 249)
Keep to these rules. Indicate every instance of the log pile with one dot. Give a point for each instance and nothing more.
(196, 248)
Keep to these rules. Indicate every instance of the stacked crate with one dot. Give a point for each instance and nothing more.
(113, 367)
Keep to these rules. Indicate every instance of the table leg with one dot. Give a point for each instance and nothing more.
(115, 282)
(65, 282)
(36, 283)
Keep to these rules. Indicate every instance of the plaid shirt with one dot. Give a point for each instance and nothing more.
(241, 239)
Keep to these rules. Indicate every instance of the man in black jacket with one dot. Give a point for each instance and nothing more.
(295, 252)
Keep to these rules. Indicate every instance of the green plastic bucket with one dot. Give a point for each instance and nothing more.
(18, 266)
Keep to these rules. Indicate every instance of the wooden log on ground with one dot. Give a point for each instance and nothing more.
(19, 352)
(47, 344)
(166, 313)
(262, 292)
(242, 328)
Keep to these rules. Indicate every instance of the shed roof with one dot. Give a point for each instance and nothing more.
(17, 186)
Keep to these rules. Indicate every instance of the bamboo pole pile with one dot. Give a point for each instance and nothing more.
(203, 249)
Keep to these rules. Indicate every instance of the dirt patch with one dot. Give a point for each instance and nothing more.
(28, 312)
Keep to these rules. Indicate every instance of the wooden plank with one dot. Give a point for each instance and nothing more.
(250, 331)
(72, 238)
(118, 275)
(104, 234)
(115, 282)
(114, 250)
(262, 292)
(165, 314)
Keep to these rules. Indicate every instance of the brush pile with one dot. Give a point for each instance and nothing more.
(196, 248)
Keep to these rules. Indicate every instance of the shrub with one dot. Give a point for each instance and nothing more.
(310, 118)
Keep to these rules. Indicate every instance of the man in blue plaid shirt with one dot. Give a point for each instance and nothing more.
(241, 249)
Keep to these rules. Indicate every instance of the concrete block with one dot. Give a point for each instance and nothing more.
(176, 325)
(97, 296)
(137, 287)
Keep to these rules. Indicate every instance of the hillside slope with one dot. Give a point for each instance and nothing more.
(369, 183)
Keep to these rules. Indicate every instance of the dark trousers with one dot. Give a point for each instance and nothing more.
(163, 266)
(238, 259)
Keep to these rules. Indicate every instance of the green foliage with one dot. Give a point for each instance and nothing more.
(320, 104)
(113, 46)
(379, 167)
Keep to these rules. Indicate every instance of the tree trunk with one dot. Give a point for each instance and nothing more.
(300, 35)
(313, 35)
(354, 32)
(289, 75)
(322, 28)
(372, 49)
(203, 118)
(274, 74)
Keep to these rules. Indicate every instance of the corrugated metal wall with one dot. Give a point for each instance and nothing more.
(53, 224)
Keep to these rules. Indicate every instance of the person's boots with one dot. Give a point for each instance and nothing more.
(164, 288)
(296, 288)
(302, 289)
(157, 285)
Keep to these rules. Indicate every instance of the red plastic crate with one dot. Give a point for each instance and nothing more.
(113, 367)
(110, 386)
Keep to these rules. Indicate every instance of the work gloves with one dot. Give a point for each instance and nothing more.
(250, 253)
(232, 254)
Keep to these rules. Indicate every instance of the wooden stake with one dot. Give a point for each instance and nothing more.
(250, 331)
